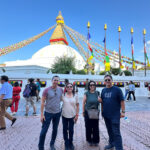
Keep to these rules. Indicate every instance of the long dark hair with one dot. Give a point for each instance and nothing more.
(73, 91)
(16, 84)
(90, 83)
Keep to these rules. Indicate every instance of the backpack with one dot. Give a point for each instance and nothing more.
(27, 91)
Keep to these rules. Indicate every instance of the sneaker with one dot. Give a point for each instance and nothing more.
(34, 113)
(66, 147)
(96, 144)
(108, 147)
(90, 143)
(13, 121)
(26, 114)
(3, 128)
(14, 113)
(52, 147)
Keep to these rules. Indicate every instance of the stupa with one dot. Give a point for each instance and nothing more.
(58, 47)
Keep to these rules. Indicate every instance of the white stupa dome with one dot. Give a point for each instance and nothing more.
(46, 57)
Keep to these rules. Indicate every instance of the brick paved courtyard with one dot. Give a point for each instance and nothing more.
(24, 134)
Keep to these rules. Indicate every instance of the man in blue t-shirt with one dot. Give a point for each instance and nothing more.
(6, 93)
(112, 102)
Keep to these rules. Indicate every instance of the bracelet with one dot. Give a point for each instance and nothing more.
(123, 111)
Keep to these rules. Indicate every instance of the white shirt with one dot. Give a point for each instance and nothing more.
(69, 106)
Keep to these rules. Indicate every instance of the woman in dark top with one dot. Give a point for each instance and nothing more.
(91, 100)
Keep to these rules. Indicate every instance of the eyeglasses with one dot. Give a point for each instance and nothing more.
(69, 87)
(56, 80)
(107, 80)
(92, 85)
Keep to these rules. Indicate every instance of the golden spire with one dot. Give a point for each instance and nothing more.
(58, 36)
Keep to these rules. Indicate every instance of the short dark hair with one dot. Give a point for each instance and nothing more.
(38, 79)
(5, 78)
(90, 83)
(55, 77)
(108, 75)
(31, 80)
(66, 81)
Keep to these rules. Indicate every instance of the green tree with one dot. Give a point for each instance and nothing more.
(63, 65)
(102, 73)
(127, 73)
(115, 71)
(81, 71)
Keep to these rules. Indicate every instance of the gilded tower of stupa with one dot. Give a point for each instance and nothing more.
(58, 36)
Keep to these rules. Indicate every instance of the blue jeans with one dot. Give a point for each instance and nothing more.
(126, 93)
(68, 130)
(113, 129)
(55, 119)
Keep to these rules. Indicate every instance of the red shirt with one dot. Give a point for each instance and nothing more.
(16, 91)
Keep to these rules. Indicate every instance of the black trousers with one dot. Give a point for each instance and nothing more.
(92, 129)
(129, 95)
(68, 130)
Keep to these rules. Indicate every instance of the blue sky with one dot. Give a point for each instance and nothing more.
(22, 19)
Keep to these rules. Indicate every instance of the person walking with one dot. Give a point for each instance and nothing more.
(70, 113)
(131, 90)
(32, 96)
(127, 91)
(38, 84)
(6, 93)
(16, 98)
(51, 99)
(112, 102)
(91, 101)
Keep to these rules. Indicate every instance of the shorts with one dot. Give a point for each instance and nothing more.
(31, 100)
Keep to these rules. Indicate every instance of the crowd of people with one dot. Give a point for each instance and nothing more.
(109, 103)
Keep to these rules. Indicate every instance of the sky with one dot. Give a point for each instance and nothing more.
(22, 19)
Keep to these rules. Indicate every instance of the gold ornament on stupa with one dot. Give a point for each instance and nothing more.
(58, 36)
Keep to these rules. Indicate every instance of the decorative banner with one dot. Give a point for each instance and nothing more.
(132, 46)
(13, 47)
(56, 40)
(95, 45)
(91, 57)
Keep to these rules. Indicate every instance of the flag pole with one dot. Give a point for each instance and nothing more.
(119, 30)
(144, 33)
(132, 51)
(88, 26)
(105, 28)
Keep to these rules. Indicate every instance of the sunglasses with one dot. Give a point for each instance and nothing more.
(56, 80)
(69, 87)
(92, 85)
(107, 80)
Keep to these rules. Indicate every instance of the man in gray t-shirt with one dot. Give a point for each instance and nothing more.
(51, 100)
